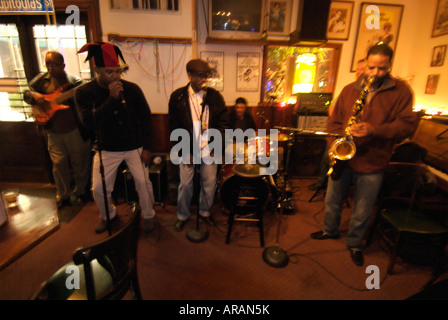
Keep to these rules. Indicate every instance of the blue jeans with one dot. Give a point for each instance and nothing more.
(185, 192)
(366, 188)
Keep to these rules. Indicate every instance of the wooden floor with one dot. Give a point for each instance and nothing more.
(171, 267)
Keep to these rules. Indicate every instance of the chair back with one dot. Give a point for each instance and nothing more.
(107, 269)
(117, 254)
(401, 183)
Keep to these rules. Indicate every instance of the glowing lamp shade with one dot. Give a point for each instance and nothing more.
(304, 73)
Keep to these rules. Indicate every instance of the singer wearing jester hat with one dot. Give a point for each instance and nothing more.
(197, 103)
(117, 112)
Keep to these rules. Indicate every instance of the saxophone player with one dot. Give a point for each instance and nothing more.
(386, 118)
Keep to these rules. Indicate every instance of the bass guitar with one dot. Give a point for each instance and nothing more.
(43, 112)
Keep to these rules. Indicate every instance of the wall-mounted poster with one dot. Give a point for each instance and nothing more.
(438, 56)
(248, 71)
(378, 23)
(431, 83)
(279, 17)
(441, 20)
(216, 62)
(339, 20)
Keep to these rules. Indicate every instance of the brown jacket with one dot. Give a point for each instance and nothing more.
(389, 111)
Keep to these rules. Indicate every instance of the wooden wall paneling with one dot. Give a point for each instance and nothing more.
(24, 156)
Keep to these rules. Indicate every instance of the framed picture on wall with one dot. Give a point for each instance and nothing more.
(279, 13)
(378, 23)
(441, 19)
(438, 56)
(248, 71)
(339, 20)
(431, 83)
(216, 62)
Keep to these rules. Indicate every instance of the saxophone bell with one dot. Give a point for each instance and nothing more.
(343, 148)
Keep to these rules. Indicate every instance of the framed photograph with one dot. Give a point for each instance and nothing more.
(431, 83)
(438, 56)
(339, 20)
(441, 19)
(378, 23)
(248, 71)
(279, 13)
(216, 62)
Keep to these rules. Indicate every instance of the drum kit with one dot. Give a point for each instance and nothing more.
(251, 173)
(249, 176)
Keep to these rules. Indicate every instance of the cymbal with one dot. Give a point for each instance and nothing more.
(281, 137)
(284, 137)
(247, 170)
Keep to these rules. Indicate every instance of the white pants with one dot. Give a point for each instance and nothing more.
(140, 174)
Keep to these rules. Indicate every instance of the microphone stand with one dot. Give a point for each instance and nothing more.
(103, 179)
(199, 233)
(276, 256)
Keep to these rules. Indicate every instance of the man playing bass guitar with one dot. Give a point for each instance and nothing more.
(67, 140)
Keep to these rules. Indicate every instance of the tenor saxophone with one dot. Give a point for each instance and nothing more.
(344, 148)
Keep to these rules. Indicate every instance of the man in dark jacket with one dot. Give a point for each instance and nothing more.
(196, 108)
(117, 112)
(68, 141)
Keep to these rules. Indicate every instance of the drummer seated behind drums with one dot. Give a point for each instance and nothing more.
(240, 118)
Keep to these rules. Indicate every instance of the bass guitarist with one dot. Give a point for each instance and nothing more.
(67, 140)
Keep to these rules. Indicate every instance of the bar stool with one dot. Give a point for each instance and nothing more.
(249, 203)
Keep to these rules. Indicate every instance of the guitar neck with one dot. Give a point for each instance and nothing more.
(64, 96)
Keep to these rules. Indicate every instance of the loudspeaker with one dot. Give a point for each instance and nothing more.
(306, 156)
(124, 188)
(159, 178)
(312, 22)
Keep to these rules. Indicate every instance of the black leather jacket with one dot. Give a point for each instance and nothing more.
(180, 113)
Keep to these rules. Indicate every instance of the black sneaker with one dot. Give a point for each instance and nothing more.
(180, 224)
(210, 220)
(321, 235)
(357, 257)
(63, 203)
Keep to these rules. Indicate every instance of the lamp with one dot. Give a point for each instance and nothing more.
(304, 73)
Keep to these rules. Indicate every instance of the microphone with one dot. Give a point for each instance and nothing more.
(204, 89)
(123, 101)
(261, 115)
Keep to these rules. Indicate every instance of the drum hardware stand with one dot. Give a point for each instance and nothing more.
(276, 256)
(103, 180)
(322, 190)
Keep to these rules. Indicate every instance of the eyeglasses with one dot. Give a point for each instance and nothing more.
(201, 74)
(53, 64)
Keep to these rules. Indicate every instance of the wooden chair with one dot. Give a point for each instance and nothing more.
(107, 269)
(406, 230)
(246, 203)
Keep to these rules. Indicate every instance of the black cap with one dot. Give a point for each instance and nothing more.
(198, 65)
